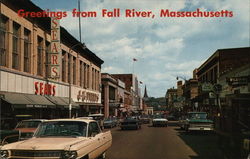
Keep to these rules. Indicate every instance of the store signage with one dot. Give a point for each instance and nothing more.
(207, 87)
(55, 49)
(238, 81)
(36, 106)
(87, 96)
(45, 89)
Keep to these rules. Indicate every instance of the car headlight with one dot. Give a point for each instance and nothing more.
(69, 155)
(4, 154)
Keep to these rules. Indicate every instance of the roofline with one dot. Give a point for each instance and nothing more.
(216, 53)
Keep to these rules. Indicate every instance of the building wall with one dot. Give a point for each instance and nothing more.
(84, 74)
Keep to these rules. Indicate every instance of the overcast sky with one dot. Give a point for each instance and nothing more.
(164, 47)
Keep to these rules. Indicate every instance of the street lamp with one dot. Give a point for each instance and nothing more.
(71, 48)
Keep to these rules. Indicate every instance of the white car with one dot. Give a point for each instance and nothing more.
(159, 120)
(62, 138)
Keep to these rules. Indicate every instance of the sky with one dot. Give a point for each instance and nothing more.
(165, 47)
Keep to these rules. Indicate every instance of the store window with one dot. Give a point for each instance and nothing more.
(39, 56)
(16, 46)
(27, 47)
(3, 31)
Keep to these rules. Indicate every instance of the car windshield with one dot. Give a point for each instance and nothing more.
(158, 116)
(197, 116)
(28, 124)
(108, 119)
(62, 128)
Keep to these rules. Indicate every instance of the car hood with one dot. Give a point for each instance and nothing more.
(107, 122)
(45, 143)
(200, 121)
(160, 119)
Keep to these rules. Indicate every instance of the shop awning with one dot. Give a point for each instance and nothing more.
(20, 100)
(63, 102)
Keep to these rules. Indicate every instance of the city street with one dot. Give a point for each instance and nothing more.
(162, 143)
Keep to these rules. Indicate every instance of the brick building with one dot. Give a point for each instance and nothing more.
(131, 85)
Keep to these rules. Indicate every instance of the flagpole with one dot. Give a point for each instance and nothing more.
(133, 66)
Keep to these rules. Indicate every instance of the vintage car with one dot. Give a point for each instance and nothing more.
(28, 127)
(159, 120)
(197, 121)
(145, 119)
(9, 136)
(62, 139)
(109, 123)
(131, 122)
(99, 118)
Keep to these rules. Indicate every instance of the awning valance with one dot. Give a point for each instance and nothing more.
(20, 100)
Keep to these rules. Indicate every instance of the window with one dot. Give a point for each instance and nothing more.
(93, 129)
(47, 73)
(3, 30)
(88, 76)
(81, 73)
(15, 46)
(74, 70)
(26, 50)
(39, 56)
(69, 69)
(64, 66)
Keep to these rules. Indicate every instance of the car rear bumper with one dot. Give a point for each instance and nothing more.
(200, 129)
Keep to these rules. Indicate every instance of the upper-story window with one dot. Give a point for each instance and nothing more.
(3, 31)
(81, 73)
(16, 46)
(64, 66)
(47, 52)
(39, 56)
(27, 43)
(74, 70)
(69, 68)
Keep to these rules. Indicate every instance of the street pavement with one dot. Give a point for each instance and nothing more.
(162, 143)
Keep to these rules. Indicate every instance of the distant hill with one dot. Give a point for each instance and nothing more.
(157, 103)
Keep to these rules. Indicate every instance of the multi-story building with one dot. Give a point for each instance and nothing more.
(44, 76)
(171, 96)
(208, 74)
(131, 85)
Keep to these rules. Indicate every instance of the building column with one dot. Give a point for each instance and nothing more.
(106, 100)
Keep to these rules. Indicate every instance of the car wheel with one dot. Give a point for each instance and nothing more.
(103, 156)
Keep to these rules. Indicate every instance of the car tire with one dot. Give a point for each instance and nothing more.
(103, 156)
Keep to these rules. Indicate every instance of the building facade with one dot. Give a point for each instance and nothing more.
(132, 86)
(208, 74)
(26, 84)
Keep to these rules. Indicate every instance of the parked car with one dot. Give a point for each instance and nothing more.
(198, 121)
(159, 120)
(109, 123)
(171, 117)
(62, 138)
(99, 118)
(145, 119)
(28, 127)
(9, 136)
(181, 122)
(130, 123)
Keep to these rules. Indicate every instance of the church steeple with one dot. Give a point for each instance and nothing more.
(145, 92)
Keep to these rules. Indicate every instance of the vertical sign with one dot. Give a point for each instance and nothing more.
(55, 49)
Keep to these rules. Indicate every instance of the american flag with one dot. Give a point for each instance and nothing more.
(134, 59)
